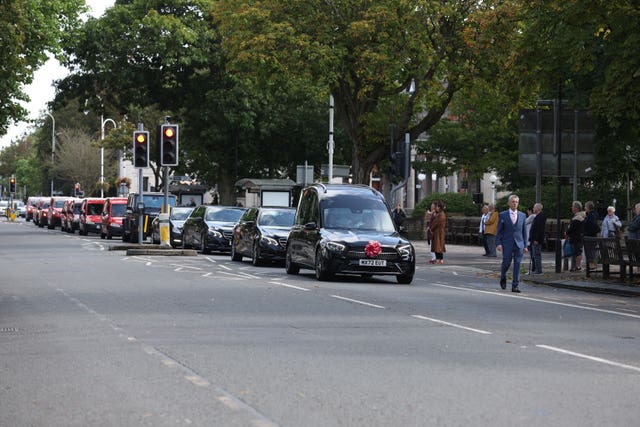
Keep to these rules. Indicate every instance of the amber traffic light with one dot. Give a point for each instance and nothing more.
(141, 149)
(169, 145)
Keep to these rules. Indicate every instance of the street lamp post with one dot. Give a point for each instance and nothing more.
(493, 178)
(103, 122)
(53, 144)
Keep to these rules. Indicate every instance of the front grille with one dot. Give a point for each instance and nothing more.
(387, 253)
(282, 241)
(227, 235)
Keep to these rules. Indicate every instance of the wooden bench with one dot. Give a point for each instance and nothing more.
(611, 253)
(592, 254)
(632, 247)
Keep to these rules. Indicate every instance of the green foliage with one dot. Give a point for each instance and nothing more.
(29, 29)
(454, 204)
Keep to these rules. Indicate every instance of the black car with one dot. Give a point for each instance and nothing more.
(176, 220)
(210, 228)
(347, 229)
(262, 234)
(149, 206)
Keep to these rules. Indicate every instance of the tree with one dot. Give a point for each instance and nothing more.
(165, 56)
(30, 29)
(77, 160)
(367, 55)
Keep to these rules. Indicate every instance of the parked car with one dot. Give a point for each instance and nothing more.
(21, 208)
(31, 207)
(261, 233)
(347, 229)
(70, 216)
(210, 228)
(177, 218)
(90, 216)
(112, 216)
(42, 212)
(55, 212)
(4, 206)
(152, 204)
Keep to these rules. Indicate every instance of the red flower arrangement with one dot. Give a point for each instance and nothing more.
(372, 249)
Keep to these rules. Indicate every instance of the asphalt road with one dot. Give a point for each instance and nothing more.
(90, 336)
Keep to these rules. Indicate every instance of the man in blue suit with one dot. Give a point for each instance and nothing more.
(511, 240)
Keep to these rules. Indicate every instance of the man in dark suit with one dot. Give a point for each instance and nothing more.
(511, 240)
(536, 238)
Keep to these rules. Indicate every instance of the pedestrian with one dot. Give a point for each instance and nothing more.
(574, 233)
(536, 238)
(633, 229)
(490, 230)
(399, 217)
(430, 217)
(611, 224)
(485, 215)
(438, 230)
(591, 228)
(511, 240)
(530, 217)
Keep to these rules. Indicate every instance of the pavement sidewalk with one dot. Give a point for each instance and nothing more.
(471, 256)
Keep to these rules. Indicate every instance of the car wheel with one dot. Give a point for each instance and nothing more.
(203, 245)
(321, 267)
(289, 266)
(255, 255)
(234, 255)
(404, 279)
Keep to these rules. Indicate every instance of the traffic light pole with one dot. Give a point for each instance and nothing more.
(140, 198)
(405, 172)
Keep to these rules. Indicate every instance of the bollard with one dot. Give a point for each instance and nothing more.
(12, 215)
(165, 230)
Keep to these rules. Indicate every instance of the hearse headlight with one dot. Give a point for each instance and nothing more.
(335, 247)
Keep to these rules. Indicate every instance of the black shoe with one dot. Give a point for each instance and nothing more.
(503, 282)
(515, 289)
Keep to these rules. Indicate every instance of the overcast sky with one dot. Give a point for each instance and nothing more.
(41, 90)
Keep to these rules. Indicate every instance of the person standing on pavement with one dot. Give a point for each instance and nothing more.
(490, 230)
(485, 214)
(429, 217)
(399, 217)
(511, 240)
(591, 228)
(633, 229)
(610, 223)
(536, 238)
(530, 217)
(574, 233)
(438, 230)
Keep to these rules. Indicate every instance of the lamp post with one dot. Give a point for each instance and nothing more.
(53, 144)
(493, 178)
(434, 182)
(103, 122)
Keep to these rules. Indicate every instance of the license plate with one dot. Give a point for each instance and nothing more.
(373, 262)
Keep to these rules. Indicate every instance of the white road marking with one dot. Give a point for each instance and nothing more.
(290, 286)
(197, 380)
(455, 325)
(355, 301)
(520, 296)
(592, 358)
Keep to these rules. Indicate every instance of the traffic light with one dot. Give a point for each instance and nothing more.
(396, 165)
(169, 145)
(12, 185)
(141, 149)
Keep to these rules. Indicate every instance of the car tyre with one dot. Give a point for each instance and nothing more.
(404, 279)
(235, 256)
(322, 273)
(255, 255)
(203, 245)
(289, 266)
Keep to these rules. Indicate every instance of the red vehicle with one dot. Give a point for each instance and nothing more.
(90, 216)
(42, 213)
(112, 216)
(71, 215)
(55, 212)
(32, 206)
